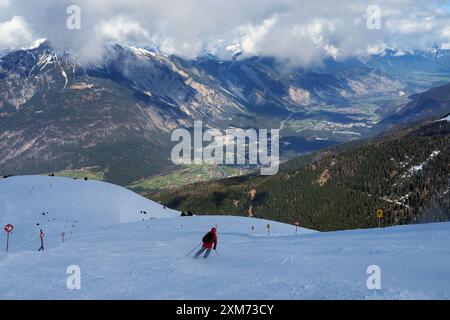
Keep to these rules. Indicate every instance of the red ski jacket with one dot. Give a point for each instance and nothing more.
(210, 239)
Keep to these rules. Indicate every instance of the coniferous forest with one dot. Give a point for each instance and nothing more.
(405, 173)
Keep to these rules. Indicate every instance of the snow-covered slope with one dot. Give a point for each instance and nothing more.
(58, 205)
(147, 259)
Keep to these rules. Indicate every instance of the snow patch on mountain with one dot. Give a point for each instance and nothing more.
(417, 168)
(141, 51)
(36, 44)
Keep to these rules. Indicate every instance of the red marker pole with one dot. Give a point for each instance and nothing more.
(7, 241)
(8, 228)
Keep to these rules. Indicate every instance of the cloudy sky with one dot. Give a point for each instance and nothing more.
(301, 31)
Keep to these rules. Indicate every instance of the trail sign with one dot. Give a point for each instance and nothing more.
(296, 227)
(8, 228)
(380, 215)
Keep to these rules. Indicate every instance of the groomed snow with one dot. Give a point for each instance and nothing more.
(59, 205)
(146, 259)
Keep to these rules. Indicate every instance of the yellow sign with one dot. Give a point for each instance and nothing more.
(380, 213)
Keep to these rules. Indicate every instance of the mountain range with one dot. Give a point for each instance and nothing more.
(115, 115)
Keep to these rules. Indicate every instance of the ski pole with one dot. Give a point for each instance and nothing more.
(194, 249)
(217, 253)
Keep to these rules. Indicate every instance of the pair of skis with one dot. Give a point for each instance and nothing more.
(190, 252)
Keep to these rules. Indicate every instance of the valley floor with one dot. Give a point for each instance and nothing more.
(146, 260)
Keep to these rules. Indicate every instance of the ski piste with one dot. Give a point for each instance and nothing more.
(123, 255)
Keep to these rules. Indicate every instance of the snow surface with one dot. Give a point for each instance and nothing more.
(59, 205)
(120, 259)
(447, 118)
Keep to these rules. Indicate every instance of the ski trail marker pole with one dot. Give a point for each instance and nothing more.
(41, 236)
(8, 228)
(380, 215)
(194, 249)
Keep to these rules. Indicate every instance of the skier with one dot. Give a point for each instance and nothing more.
(209, 242)
(41, 236)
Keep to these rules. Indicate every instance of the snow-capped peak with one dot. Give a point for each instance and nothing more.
(234, 49)
(36, 44)
(141, 51)
(400, 53)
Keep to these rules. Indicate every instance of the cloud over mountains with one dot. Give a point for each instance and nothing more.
(303, 32)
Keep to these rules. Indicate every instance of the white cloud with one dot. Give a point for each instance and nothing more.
(4, 3)
(317, 31)
(251, 35)
(15, 33)
(121, 29)
(303, 32)
(445, 34)
(411, 26)
(377, 48)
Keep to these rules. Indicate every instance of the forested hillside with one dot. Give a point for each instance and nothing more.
(406, 174)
